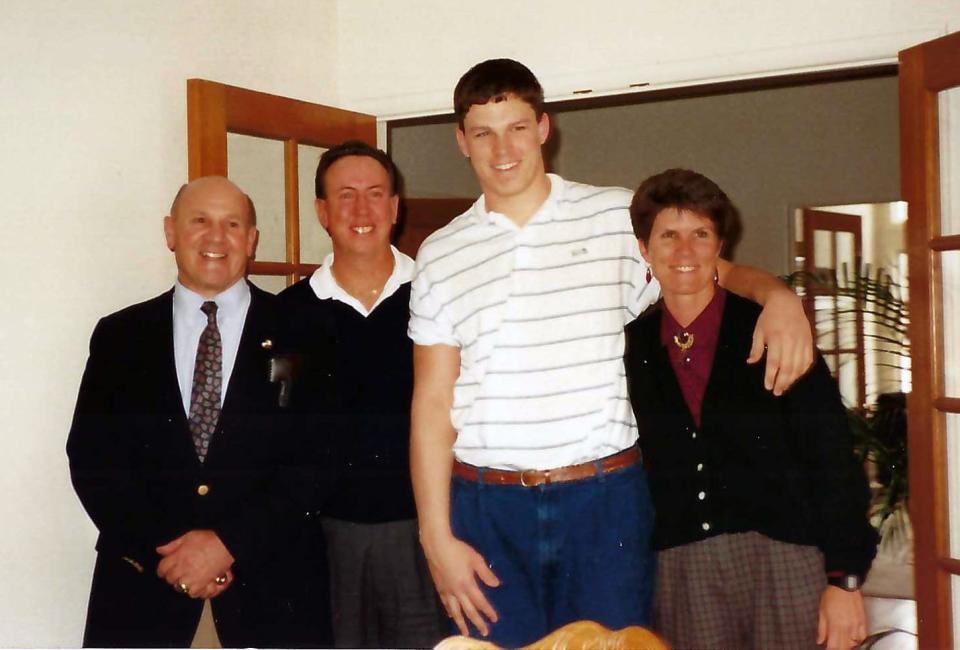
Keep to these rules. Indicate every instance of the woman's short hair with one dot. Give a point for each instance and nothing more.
(682, 189)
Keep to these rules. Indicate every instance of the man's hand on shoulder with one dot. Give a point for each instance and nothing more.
(455, 567)
(783, 330)
(197, 560)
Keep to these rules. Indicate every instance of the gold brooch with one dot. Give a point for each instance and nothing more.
(683, 340)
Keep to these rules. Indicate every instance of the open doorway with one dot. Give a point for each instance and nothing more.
(850, 267)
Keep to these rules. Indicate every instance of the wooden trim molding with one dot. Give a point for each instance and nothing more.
(950, 565)
(214, 109)
(945, 243)
(206, 129)
(280, 268)
(947, 404)
(291, 194)
(686, 92)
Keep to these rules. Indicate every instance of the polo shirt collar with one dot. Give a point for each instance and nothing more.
(545, 213)
(325, 286)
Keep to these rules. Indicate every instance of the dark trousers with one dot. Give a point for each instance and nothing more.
(380, 587)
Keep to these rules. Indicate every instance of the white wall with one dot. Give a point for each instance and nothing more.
(93, 148)
(406, 57)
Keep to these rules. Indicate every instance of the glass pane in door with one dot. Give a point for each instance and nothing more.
(949, 101)
(950, 270)
(256, 166)
(314, 241)
(846, 262)
(271, 283)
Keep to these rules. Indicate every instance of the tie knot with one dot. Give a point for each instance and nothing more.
(209, 308)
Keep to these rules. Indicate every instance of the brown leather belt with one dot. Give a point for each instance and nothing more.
(535, 477)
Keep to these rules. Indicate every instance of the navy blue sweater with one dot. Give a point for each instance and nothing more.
(354, 395)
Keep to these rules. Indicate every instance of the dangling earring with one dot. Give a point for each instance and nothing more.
(649, 274)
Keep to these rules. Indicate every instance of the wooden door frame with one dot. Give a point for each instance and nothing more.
(924, 72)
(215, 109)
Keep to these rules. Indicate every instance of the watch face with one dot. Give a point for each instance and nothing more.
(848, 582)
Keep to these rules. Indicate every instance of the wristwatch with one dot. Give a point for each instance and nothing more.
(846, 581)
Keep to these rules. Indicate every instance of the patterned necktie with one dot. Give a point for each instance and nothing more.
(207, 380)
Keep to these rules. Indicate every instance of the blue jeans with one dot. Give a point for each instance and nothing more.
(562, 552)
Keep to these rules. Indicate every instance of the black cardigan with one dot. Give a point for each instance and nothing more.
(781, 466)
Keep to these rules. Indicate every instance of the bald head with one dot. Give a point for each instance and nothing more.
(212, 181)
(212, 233)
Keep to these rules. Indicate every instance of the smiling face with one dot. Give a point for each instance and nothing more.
(682, 252)
(212, 235)
(502, 139)
(359, 212)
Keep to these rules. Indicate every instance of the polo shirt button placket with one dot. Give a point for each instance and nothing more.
(521, 255)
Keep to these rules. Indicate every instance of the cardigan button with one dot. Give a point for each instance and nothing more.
(702, 496)
(203, 490)
(705, 526)
(699, 467)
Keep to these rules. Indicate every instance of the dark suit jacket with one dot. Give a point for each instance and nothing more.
(782, 466)
(135, 470)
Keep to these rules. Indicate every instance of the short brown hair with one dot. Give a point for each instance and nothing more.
(494, 79)
(352, 148)
(682, 189)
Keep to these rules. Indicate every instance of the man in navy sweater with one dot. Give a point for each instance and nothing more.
(349, 325)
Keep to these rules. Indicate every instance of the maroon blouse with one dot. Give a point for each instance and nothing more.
(692, 366)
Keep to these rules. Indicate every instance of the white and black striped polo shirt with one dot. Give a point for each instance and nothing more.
(538, 314)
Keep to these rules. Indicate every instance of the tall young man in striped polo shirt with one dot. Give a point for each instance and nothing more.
(532, 503)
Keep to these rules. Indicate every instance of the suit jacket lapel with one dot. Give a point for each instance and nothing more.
(251, 362)
(169, 385)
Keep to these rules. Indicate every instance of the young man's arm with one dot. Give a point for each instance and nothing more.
(782, 329)
(454, 565)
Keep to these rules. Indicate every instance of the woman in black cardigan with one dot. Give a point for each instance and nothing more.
(760, 503)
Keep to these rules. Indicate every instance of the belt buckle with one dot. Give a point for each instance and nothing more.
(533, 480)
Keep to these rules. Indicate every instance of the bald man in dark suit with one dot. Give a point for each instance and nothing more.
(182, 455)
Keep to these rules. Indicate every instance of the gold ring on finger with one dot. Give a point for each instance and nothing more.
(182, 588)
(221, 580)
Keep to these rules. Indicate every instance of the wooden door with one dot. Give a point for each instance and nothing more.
(832, 251)
(930, 179)
(215, 110)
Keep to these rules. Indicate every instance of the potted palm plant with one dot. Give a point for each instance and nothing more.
(872, 298)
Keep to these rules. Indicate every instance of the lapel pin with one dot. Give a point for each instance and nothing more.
(266, 344)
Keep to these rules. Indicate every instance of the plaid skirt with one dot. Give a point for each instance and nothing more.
(741, 590)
